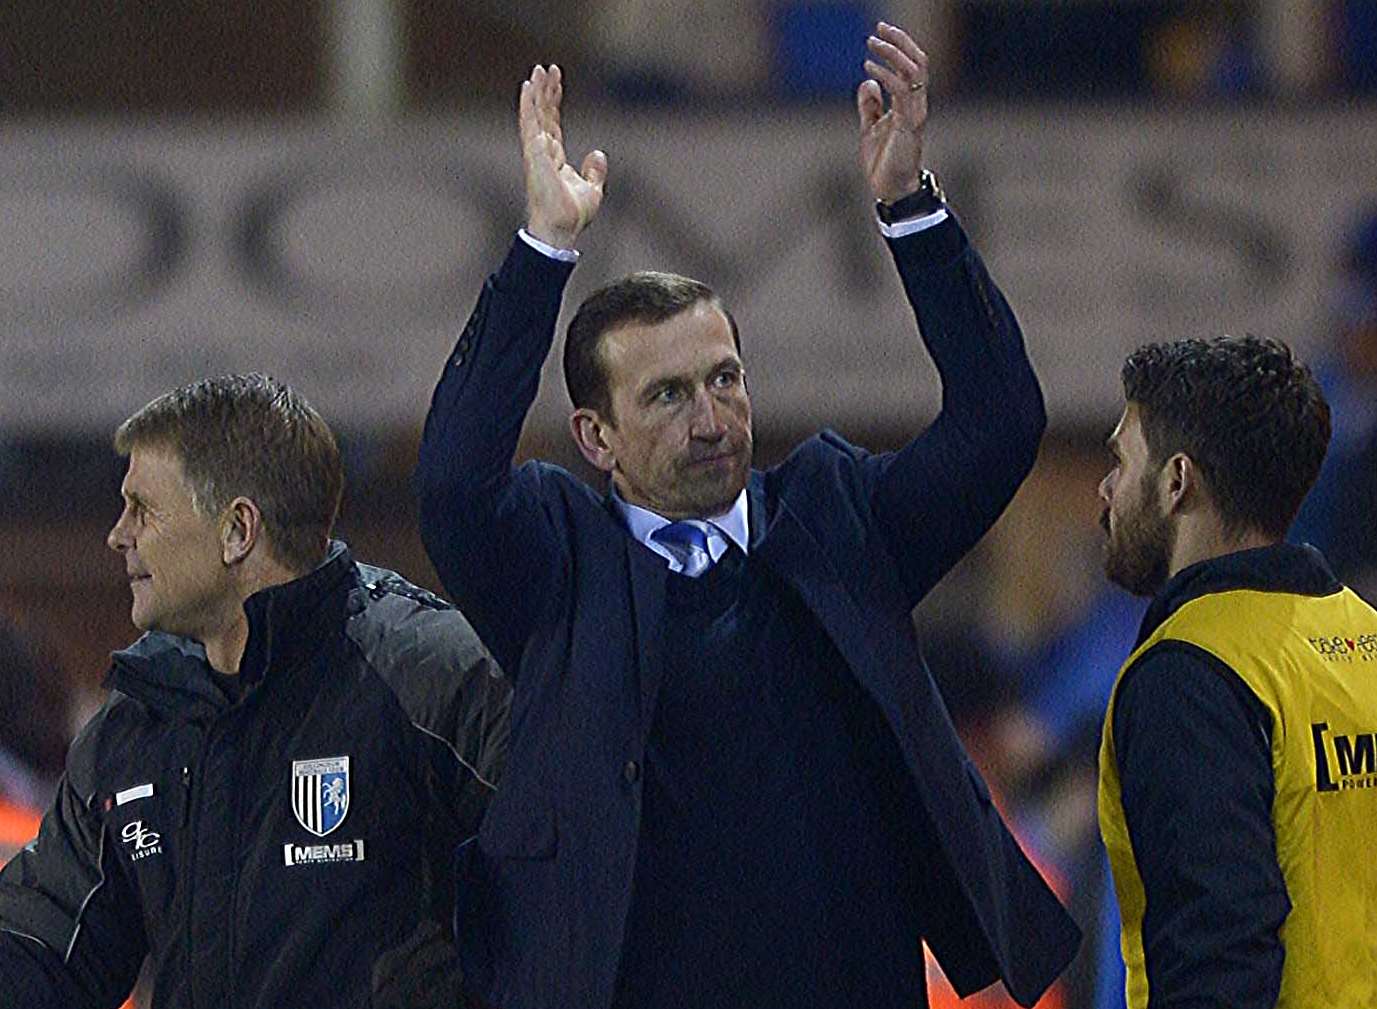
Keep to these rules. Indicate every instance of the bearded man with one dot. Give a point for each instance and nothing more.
(1237, 764)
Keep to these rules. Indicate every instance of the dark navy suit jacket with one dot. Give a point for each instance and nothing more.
(572, 607)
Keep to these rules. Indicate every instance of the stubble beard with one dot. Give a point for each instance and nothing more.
(1138, 549)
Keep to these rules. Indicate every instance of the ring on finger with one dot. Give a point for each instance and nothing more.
(916, 85)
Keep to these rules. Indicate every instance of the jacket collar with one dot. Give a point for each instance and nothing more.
(755, 508)
(1283, 567)
(288, 624)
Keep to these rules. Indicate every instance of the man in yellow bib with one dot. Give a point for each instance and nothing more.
(1238, 769)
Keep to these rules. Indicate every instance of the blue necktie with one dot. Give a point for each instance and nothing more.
(689, 545)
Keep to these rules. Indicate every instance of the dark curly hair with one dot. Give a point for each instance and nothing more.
(1250, 416)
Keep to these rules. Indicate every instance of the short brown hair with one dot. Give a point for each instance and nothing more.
(645, 297)
(255, 437)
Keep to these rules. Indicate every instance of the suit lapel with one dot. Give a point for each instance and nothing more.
(646, 573)
(794, 554)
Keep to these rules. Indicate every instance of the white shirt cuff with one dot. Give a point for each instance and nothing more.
(564, 255)
(914, 224)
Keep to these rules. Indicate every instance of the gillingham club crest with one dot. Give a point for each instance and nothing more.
(320, 793)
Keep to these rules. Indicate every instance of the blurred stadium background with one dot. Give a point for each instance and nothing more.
(317, 188)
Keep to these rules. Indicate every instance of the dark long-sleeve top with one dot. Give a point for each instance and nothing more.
(1194, 749)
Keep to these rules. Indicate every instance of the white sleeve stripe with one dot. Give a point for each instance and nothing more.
(457, 755)
(24, 935)
(76, 931)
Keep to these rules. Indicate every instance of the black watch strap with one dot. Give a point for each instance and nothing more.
(926, 199)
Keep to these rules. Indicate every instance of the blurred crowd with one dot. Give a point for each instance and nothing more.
(34, 732)
(1001, 48)
(280, 56)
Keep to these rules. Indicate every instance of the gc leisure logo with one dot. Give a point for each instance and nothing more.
(143, 843)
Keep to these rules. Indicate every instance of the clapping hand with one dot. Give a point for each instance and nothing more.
(892, 140)
(560, 202)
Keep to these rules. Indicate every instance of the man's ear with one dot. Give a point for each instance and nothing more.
(241, 527)
(590, 435)
(1180, 483)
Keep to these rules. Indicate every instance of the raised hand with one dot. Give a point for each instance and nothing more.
(559, 200)
(892, 140)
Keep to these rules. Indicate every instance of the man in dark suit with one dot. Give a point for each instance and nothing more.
(731, 781)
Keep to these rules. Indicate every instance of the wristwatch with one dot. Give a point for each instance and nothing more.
(926, 199)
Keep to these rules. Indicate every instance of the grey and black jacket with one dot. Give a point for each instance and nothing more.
(283, 838)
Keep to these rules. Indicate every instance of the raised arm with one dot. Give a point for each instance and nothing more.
(938, 495)
(484, 525)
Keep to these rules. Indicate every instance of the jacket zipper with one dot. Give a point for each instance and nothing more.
(188, 863)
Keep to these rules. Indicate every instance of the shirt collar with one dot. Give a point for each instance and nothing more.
(731, 525)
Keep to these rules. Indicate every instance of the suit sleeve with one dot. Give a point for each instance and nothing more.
(484, 525)
(1195, 766)
(71, 932)
(938, 495)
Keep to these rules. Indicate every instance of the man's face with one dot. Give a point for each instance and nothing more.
(680, 435)
(1140, 535)
(172, 554)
